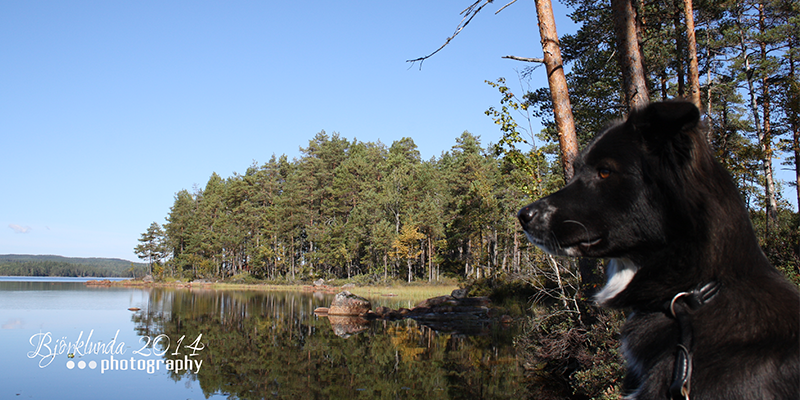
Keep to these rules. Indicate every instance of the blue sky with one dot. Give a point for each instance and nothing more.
(108, 108)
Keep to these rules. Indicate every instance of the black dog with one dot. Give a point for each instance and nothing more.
(711, 318)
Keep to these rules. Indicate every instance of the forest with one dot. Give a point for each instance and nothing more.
(347, 208)
(39, 265)
(350, 209)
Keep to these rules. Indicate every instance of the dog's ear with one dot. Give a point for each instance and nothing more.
(666, 126)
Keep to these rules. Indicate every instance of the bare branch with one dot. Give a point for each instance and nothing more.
(525, 59)
(469, 13)
(504, 7)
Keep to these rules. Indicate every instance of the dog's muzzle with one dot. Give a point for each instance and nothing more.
(534, 219)
(527, 214)
(534, 215)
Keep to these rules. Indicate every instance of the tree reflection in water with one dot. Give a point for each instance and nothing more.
(271, 345)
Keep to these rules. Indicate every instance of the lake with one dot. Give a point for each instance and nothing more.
(65, 340)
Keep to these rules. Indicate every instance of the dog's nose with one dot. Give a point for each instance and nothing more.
(527, 214)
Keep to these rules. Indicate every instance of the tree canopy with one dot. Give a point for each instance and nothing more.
(346, 208)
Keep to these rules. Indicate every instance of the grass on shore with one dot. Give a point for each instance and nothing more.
(408, 292)
(412, 293)
(401, 291)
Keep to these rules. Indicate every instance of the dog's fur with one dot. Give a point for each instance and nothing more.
(648, 194)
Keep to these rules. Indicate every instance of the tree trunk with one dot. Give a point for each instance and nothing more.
(709, 85)
(691, 42)
(794, 123)
(292, 256)
(629, 54)
(763, 132)
(766, 148)
(430, 260)
(796, 145)
(515, 260)
(466, 259)
(562, 110)
(676, 21)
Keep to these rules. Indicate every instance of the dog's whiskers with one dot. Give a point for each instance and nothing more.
(588, 236)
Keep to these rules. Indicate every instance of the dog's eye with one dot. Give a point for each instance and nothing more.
(603, 173)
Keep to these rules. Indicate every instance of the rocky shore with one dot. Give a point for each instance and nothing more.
(148, 281)
(350, 314)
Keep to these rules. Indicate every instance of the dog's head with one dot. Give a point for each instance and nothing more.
(617, 203)
(643, 194)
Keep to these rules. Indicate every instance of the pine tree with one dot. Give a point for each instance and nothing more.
(152, 246)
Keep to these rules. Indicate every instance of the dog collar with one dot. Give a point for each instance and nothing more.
(681, 307)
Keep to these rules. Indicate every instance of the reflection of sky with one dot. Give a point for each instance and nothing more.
(67, 311)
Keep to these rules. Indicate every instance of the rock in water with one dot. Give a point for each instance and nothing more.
(438, 302)
(346, 303)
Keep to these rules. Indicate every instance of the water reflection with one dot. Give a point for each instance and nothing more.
(203, 343)
(270, 344)
(345, 326)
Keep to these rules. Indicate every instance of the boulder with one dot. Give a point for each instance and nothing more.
(459, 293)
(437, 302)
(148, 278)
(454, 303)
(382, 311)
(346, 303)
(451, 308)
(387, 313)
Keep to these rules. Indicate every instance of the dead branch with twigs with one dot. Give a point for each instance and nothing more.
(563, 273)
(468, 14)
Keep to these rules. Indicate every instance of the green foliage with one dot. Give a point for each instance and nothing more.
(498, 288)
(527, 166)
(344, 209)
(30, 265)
(782, 243)
(153, 247)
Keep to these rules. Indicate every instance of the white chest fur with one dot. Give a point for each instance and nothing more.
(620, 273)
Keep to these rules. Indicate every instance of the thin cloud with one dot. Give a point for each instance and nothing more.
(12, 324)
(20, 229)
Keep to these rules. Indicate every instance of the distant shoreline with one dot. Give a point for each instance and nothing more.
(37, 278)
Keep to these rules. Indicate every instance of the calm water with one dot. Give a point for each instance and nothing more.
(64, 340)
